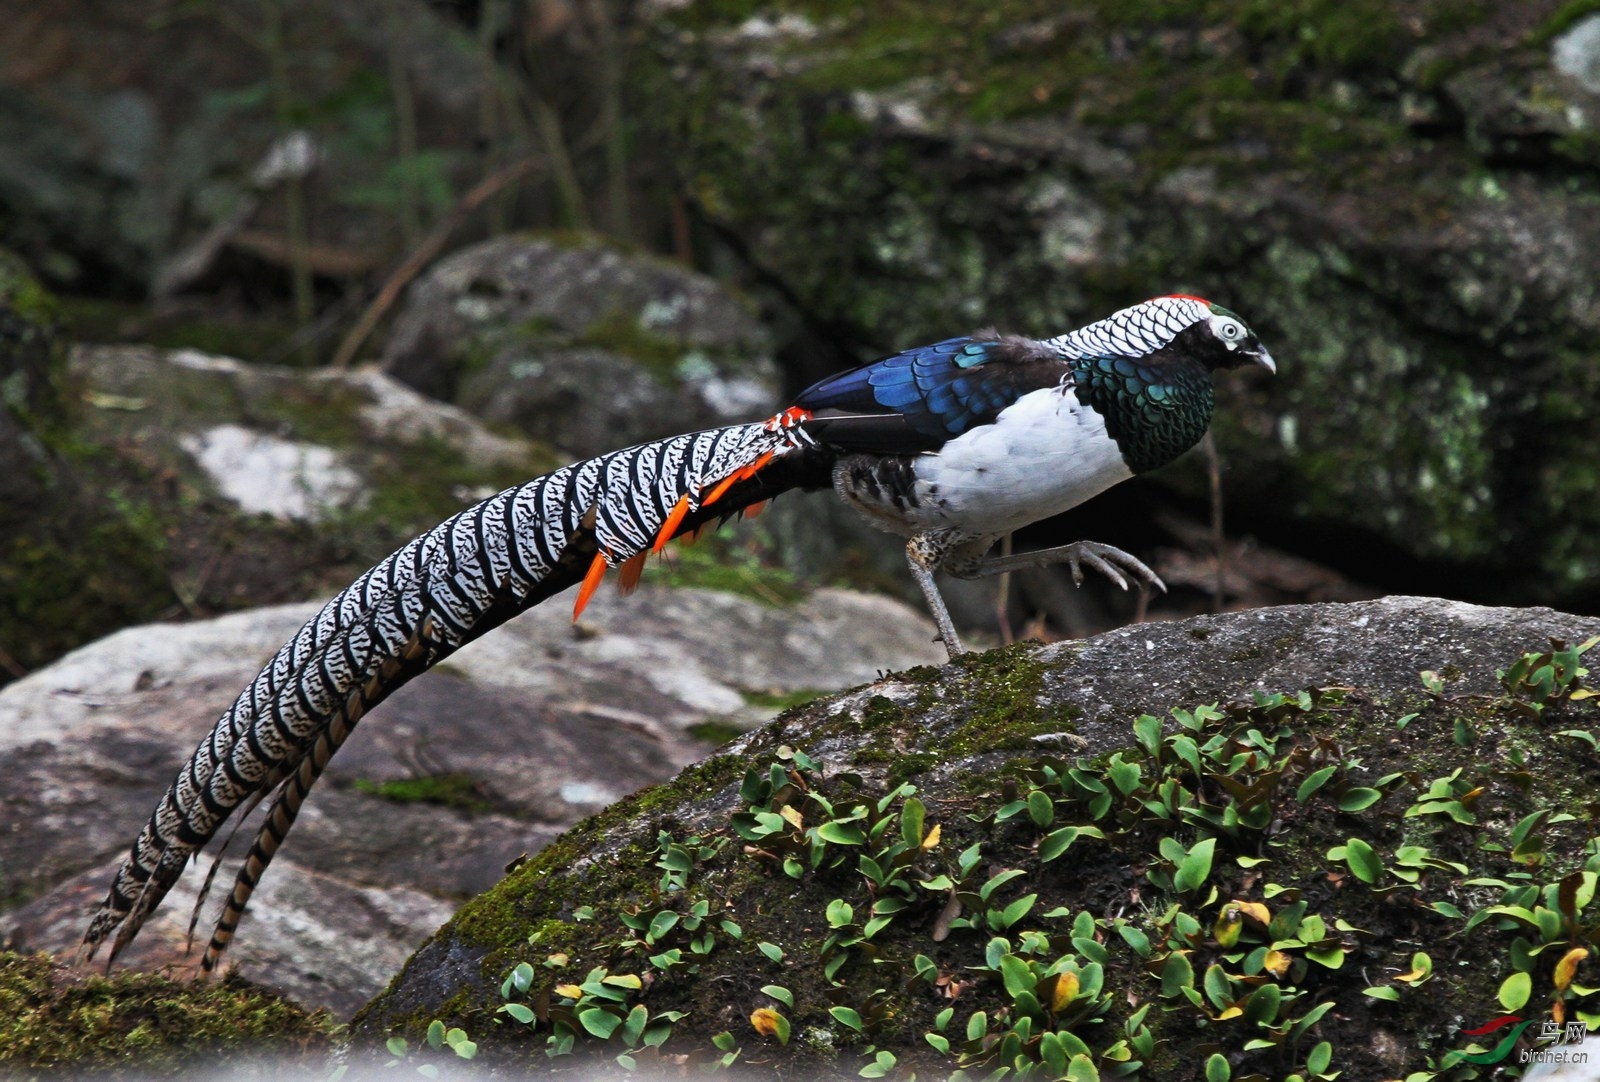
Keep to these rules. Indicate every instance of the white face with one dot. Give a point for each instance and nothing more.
(1229, 331)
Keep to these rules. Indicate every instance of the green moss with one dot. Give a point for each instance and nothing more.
(459, 791)
(621, 332)
(1566, 16)
(715, 732)
(145, 1025)
(1000, 693)
(783, 700)
(66, 581)
(746, 563)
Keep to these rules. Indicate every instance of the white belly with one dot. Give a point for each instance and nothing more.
(1044, 453)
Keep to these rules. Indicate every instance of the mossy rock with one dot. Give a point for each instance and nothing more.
(1043, 855)
(907, 174)
(140, 1025)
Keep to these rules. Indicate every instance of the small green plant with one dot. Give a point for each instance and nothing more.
(1537, 681)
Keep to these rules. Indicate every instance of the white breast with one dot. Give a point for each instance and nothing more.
(1043, 454)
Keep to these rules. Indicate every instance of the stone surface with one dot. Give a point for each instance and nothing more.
(580, 345)
(547, 723)
(266, 475)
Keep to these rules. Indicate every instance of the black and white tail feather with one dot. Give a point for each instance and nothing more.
(458, 581)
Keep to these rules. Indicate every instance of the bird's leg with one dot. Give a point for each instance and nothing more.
(925, 553)
(1109, 561)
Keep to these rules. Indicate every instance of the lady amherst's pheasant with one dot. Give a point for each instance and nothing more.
(952, 445)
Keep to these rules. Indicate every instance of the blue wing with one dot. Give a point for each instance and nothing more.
(919, 399)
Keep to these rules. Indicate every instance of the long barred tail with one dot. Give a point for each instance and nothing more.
(461, 579)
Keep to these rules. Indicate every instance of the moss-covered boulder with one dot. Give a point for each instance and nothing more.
(1302, 840)
(73, 561)
(57, 1023)
(1397, 196)
(582, 345)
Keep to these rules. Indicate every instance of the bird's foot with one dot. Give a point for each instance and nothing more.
(1110, 561)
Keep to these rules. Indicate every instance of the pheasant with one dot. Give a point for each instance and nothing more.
(951, 445)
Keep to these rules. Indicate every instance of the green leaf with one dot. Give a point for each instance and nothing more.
(1125, 776)
(599, 1022)
(1016, 975)
(1135, 938)
(1262, 1006)
(1515, 990)
(881, 1065)
(1363, 861)
(771, 950)
(1319, 1059)
(977, 1025)
(1195, 867)
(1176, 974)
(1147, 731)
(397, 1046)
(1388, 995)
(1217, 1069)
(913, 817)
(846, 1016)
(941, 1044)
(662, 923)
(841, 833)
(1081, 1068)
(633, 1025)
(1358, 799)
(725, 1042)
(1314, 781)
(435, 1034)
(520, 1012)
(779, 993)
(1015, 911)
(1040, 808)
(1059, 841)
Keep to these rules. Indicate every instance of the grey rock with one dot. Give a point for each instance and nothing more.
(548, 723)
(290, 444)
(581, 345)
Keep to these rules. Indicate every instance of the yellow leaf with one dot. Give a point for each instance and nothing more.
(1228, 926)
(765, 1020)
(790, 816)
(556, 960)
(571, 991)
(1231, 1012)
(1276, 963)
(1066, 991)
(1567, 968)
(1255, 911)
(933, 837)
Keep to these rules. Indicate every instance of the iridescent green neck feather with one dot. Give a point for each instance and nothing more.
(1155, 410)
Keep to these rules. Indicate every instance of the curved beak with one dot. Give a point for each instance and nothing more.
(1263, 358)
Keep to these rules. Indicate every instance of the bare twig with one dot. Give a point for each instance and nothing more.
(1219, 544)
(429, 250)
(1002, 599)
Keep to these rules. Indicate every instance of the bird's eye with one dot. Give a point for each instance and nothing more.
(1230, 331)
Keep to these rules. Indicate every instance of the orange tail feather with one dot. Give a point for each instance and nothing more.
(632, 568)
(591, 582)
(670, 527)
